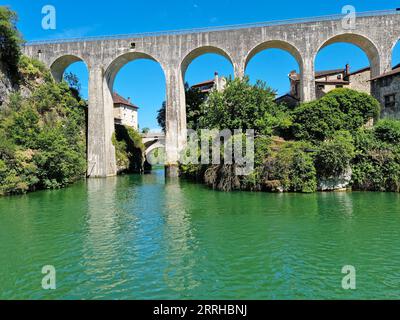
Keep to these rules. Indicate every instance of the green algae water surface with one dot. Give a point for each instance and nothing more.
(140, 237)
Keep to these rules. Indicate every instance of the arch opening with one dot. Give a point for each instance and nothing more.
(280, 65)
(135, 88)
(59, 65)
(363, 43)
(203, 70)
(346, 61)
(139, 79)
(202, 51)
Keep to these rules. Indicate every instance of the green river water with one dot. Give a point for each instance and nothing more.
(140, 237)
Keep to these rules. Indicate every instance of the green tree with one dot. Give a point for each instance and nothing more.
(376, 166)
(42, 135)
(10, 41)
(294, 167)
(334, 155)
(161, 114)
(340, 109)
(243, 106)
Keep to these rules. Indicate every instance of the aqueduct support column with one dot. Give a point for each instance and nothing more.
(239, 70)
(175, 139)
(385, 60)
(100, 150)
(307, 81)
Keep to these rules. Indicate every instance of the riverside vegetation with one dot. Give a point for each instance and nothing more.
(43, 123)
(327, 144)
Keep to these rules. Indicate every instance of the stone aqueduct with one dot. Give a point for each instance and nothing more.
(376, 33)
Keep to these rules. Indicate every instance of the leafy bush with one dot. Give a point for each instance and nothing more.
(10, 41)
(243, 106)
(388, 130)
(293, 167)
(32, 69)
(129, 149)
(376, 166)
(42, 136)
(340, 109)
(334, 155)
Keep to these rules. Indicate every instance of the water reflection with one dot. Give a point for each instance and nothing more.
(180, 240)
(101, 246)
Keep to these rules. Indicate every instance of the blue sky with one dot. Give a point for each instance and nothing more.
(143, 80)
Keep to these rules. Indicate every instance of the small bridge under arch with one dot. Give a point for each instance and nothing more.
(153, 141)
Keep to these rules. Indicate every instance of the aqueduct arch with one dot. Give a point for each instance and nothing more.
(282, 45)
(61, 63)
(361, 41)
(195, 53)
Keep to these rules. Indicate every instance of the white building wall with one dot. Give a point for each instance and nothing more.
(126, 116)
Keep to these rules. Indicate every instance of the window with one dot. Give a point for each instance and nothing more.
(390, 101)
(339, 86)
(321, 87)
(339, 77)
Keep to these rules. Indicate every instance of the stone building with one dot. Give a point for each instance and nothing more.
(329, 80)
(386, 89)
(218, 83)
(125, 112)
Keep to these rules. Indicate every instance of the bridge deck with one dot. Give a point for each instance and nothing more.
(217, 28)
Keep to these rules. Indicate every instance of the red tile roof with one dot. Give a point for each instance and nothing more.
(121, 100)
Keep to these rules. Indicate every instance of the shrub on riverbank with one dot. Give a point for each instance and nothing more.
(43, 139)
(376, 166)
(42, 123)
(340, 109)
(331, 143)
(10, 41)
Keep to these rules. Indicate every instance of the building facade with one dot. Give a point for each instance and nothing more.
(328, 80)
(125, 112)
(386, 89)
(218, 83)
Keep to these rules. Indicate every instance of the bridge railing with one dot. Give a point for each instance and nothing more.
(220, 28)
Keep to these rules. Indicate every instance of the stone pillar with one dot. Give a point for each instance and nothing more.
(385, 60)
(239, 70)
(175, 138)
(307, 81)
(100, 150)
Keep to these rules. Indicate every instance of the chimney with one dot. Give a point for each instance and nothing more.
(347, 69)
(216, 81)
